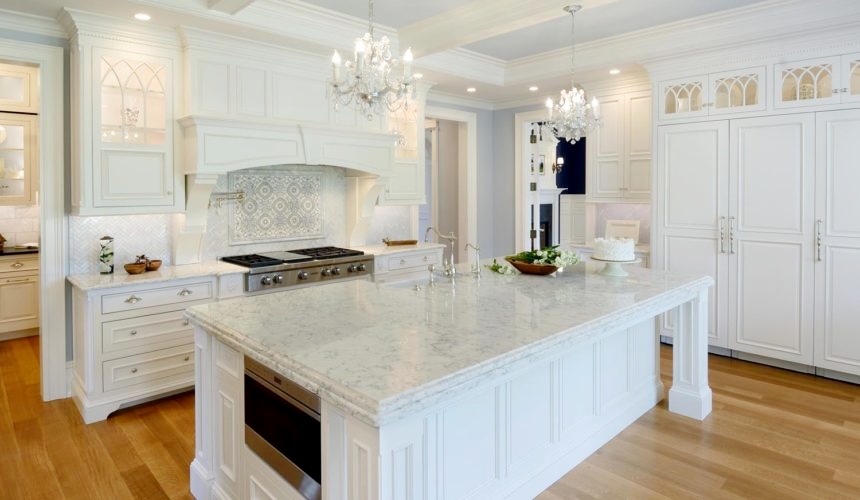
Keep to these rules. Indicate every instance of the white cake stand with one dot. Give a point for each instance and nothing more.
(613, 267)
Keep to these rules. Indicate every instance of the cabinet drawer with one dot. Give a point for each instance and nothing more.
(130, 301)
(175, 362)
(156, 331)
(413, 261)
(29, 262)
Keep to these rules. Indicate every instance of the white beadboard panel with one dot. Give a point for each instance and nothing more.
(133, 235)
(633, 211)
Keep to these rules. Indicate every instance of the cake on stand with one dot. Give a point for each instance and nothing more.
(614, 252)
(613, 267)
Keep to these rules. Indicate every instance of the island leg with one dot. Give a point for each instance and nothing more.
(690, 394)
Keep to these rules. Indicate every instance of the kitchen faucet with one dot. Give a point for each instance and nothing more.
(449, 266)
(476, 267)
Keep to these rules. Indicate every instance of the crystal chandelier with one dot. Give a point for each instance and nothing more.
(374, 81)
(572, 116)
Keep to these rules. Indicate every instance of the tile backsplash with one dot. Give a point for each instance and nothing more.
(133, 235)
(19, 224)
(634, 211)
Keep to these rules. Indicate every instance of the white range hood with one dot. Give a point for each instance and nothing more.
(215, 146)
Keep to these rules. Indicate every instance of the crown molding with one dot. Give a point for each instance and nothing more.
(437, 97)
(465, 64)
(79, 23)
(27, 23)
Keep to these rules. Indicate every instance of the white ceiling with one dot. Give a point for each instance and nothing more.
(501, 47)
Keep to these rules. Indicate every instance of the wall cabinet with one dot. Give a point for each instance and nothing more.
(733, 91)
(19, 158)
(572, 219)
(815, 82)
(133, 343)
(19, 88)
(619, 152)
(756, 204)
(19, 294)
(123, 116)
(406, 185)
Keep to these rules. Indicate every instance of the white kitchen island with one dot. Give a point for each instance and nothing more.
(489, 387)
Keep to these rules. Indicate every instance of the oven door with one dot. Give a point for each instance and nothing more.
(282, 431)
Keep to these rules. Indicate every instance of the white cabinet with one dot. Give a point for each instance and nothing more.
(123, 119)
(133, 343)
(814, 82)
(19, 158)
(404, 263)
(19, 88)
(733, 91)
(572, 219)
(737, 205)
(19, 293)
(406, 185)
(837, 258)
(619, 152)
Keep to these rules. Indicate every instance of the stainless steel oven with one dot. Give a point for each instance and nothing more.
(282, 426)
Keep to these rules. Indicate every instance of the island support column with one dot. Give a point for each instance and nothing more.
(690, 394)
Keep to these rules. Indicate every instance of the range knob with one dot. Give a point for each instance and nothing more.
(266, 280)
(325, 272)
(362, 268)
(351, 268)
(303, 275)
(278, 279)
(335, 271)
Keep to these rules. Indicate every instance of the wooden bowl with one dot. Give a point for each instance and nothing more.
(153, 265)
(135, 268)
(527, 268)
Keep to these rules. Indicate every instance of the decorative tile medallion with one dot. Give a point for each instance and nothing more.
(279, 206)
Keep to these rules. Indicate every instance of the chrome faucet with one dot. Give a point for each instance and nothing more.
(449, 265)
(476, 267)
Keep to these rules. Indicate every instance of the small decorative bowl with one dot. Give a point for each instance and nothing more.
(135, 268)
(152, 265)
(528, 268)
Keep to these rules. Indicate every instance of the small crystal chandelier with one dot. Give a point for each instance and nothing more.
(374, 81)
(572, 116)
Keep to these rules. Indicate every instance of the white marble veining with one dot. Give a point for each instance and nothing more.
(95, 281)
(383, 352)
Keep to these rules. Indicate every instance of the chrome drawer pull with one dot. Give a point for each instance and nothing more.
(134, 370)
(722, 235)
(133, 332)
(818, 240)
(17, 280)
(402, 261)
(186, 323)
(425, 258)
(185, 292)
(186, 358)
(17, 265)
(134, 299)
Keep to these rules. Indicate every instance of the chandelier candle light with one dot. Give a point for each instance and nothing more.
(374, 81)
(572, 116)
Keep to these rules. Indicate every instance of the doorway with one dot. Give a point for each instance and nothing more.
(451, 167)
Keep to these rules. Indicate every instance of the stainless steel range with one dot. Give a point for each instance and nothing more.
(271, 271)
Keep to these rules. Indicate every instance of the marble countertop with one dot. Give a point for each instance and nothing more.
(395, 249)
(119, 277)
(4, 250)
(382, 352)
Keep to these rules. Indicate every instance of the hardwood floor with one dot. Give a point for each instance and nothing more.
(772, 434)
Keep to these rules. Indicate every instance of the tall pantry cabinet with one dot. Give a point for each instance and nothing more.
(764, 199)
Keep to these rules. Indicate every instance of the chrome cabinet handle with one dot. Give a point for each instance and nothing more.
(186, 358)
(425, 258)
(722, 234)
(133, 332)
(402, 261)
(186, 322)
(185, 292)
(731, 235)
(17, 280)
(17, 265)
(133, 299)
(134, 370)
(818, 240)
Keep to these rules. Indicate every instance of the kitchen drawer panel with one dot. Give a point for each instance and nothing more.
(418, 260)
(140, 299)
(155, 331)
(149, 367)
(29, 262)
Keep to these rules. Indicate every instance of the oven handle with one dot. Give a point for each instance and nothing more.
(284, 395)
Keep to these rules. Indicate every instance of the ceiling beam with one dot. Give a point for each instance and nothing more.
(482, 19)
(229, 6)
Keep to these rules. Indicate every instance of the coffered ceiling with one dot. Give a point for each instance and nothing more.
(500, 47)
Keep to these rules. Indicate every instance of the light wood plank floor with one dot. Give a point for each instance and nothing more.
(772, 434)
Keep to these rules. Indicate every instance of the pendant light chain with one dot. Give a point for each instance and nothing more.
(573, 10)
(370, 18)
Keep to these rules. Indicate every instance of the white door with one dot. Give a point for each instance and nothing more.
(771, 225)
(692, 175)
(837, 266)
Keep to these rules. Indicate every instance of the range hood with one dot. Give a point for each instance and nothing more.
(213, 147)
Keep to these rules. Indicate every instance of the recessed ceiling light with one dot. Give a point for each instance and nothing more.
(533, 88)
(471, 89)
(142, 16)
(417, 76)
(614, 71)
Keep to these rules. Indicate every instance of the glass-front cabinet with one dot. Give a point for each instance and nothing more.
(814, 82)
(19, 88)
(18, 158)
(406, 185)
(713, 94)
